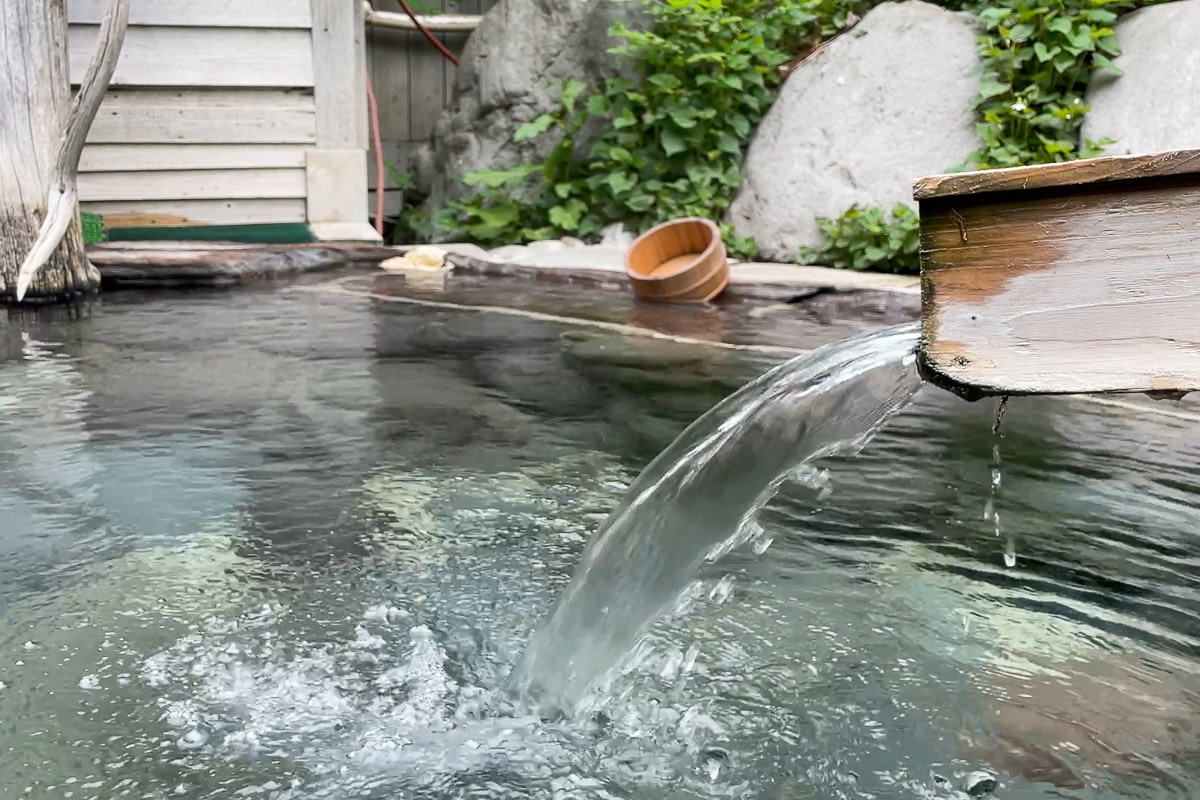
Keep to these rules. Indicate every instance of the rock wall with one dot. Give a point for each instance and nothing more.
(878, 107)
(1155, 105)
(511, 70)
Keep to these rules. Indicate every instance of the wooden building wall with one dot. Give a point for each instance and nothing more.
(228, 112)
(413, 82)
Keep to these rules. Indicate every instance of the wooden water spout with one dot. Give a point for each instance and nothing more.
(1080, 277)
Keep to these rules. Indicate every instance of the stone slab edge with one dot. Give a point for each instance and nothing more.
(747, 279)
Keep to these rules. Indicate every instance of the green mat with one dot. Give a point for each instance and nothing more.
(93, 227)
(274, 233)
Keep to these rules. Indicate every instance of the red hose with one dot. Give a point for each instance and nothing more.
(380, 188)
(436, 42)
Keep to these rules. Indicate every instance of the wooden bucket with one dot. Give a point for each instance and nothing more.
(681, 261)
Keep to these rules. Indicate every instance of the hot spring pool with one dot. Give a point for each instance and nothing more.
(289, 544)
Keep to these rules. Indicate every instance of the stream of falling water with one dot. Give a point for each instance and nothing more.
(990, 512)
(699, 498)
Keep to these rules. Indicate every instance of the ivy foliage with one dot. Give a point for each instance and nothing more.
(1038, 56)
(671, 137)
(867, 239)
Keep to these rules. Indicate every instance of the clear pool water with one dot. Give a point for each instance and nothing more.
(290, 544)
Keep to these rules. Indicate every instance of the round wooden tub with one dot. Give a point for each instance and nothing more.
(681, 261)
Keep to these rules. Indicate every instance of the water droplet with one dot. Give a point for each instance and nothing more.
(1010, 552)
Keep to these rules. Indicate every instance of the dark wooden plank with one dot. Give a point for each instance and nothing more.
(1071, 173)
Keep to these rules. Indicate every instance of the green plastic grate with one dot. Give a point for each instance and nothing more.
(93, 227)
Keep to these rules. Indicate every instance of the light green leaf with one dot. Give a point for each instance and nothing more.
(672, 143)
(533, 128)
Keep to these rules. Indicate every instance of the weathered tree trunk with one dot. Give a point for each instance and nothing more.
(41, 137)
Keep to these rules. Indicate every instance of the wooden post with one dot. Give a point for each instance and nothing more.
(41, 241)
(337, 167)
(1071, 278)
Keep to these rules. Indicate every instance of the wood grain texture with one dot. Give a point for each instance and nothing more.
(209, 14)
(1074, 288)
(438, 22)
(1073, 173)
(338, 51)
(155, 157)
(202, 56)
(205, 117)
(199, 184)
(34, 101)
(337, 186)
(171, 213)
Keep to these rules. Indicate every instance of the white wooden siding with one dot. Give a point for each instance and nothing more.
(155, 157)
(213, 112)
(138, 116)
(200, 184)
(206, 14)
(158, 213)
(181, 56)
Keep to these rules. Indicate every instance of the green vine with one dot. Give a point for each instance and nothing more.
(1037, 59)
(866, 239)
(670, 139)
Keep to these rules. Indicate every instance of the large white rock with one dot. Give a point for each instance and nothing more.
(882, 105)
(1155, 105)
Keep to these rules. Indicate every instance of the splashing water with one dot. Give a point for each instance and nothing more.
(700, 496)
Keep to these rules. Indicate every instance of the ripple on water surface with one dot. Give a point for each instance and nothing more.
(303, 562)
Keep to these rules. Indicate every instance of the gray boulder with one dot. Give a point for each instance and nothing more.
(511, 71)
(1153, 106)
(885, 103)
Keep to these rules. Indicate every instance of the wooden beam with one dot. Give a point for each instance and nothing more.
(202, 57)
(209, 14)
(158, 157)
(336, 168)
(174, 213)
(204, 116)
(195, 184)
(439, 23)
(1071, 278)
(340, 89)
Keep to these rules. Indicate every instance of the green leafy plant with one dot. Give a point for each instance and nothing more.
(867, 238)
(671, 138)
(1038, 56)
(399, 179)
(528, 201)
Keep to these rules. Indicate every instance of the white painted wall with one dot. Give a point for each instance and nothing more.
(219, 109)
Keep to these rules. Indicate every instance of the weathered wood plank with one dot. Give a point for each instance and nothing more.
(1070, 286)
(389, 74)
(211, 13)
(338, 53)
(155, 157)
(202, 56)
(337, 190)
(198, 184)
(170, 213)
(426, 85)
(34, 113)
(461, 23)
(205, 117)
(1071, 173)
